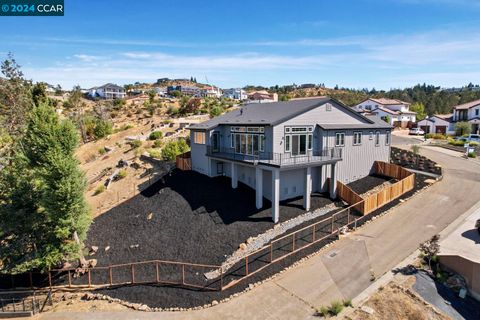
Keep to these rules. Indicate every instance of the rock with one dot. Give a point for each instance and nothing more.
(150, 216)
(214, 302)
(251, 286)
(250, 240)
(107, 248)
(143, 307)
(430, 181)
(92, 263)
(93, 250)
(132, 246)
(243, 246)
(367, 310)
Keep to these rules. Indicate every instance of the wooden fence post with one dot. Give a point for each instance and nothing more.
(110, 275)
(89, 278)
(246, 266)
(271, 252)
(183, 273)
(157, 271)
(293, 242)
(313, 233)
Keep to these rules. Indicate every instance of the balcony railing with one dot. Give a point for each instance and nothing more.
(277, 159)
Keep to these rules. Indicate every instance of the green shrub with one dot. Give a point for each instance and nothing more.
(155, 135)
(126, 127)
(473, 143)
(102, 151)
(347, 303)
(102, 129)
(456, 143)
(122, 174)
(135, 144)
(472, 155)
(101, 188)
(157, 143)
(415, 149)
(157, 154)
(335, 308)
(174, 148)
(323, 311)
(437, 136)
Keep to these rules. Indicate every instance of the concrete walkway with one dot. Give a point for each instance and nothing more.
(344, 270)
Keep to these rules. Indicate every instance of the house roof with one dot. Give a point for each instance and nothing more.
(273, 113)
(109, 85)
(386, 110)
(377, 123)
(387, 101)
(467, 105)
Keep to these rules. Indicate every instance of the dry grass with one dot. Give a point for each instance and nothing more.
(396, 302)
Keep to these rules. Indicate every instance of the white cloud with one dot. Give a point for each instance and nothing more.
(88, 58)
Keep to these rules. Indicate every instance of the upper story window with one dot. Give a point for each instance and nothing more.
(477, 111)
(298, 140)
(377, 138)
(357, 138)
(248, 129)
(339, 139)
(387, 138)
(199, 137)
(370, 135)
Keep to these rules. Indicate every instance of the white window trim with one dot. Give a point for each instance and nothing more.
(359, 133)
(288, 146)
(377, 142)
(343, 142)
(195, 133)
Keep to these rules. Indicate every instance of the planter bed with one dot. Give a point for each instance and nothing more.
(409, 160)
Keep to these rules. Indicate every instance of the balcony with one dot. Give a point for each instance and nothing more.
(324, 156)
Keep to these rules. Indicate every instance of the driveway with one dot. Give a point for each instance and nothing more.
(345, 268)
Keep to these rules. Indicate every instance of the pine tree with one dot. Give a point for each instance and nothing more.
(42, 204)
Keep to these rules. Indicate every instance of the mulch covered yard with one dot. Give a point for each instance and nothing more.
(185, 217)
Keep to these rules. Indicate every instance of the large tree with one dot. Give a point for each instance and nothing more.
(42, 204)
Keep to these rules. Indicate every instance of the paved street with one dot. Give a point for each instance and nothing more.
(343, 271)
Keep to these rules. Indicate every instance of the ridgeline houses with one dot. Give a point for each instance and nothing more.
(397, 111)
(283, 150)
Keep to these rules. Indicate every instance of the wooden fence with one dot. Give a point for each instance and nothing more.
(370, 203)
(184, 161)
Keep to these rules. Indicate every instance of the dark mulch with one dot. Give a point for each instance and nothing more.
(367, 183)
(195, 219)
(408, 159)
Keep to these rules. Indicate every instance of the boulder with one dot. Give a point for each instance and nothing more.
(93, 250)
(243, 246)
(92, 263)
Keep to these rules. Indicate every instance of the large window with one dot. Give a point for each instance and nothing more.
(339, 139)
(246, 143)
(199, 137)
(357, 138)
(298, 140)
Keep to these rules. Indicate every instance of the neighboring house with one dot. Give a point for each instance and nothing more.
(161, 91)
(212, 92)
(289, 149)
(235, 93)
(469, 112)
(185, 90)
(439, 123)
(107, 91)
(398, 111)
(138, 99)
(262, 96)
(459, 253)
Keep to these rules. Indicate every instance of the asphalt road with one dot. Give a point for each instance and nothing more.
(344, 269)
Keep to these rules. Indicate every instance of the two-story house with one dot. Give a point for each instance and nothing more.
(235, 93)
(396, 110)
(288, 149)
(469, 112)
(107, 91)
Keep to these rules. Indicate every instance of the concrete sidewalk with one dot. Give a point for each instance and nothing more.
(343, 270)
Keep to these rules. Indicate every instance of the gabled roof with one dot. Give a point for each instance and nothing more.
(386, 101)
(273, 113)
(386, 110)
(467, 105)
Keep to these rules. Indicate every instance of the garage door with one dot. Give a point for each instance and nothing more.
(441, 129)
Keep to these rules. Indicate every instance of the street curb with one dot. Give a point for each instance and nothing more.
(387, 277)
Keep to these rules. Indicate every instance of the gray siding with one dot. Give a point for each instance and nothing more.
(198, 154)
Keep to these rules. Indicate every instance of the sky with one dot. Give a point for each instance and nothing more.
(356, 44)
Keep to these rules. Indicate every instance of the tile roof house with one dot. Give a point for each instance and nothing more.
(398, 111)
(439, 123)
(288, 149)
